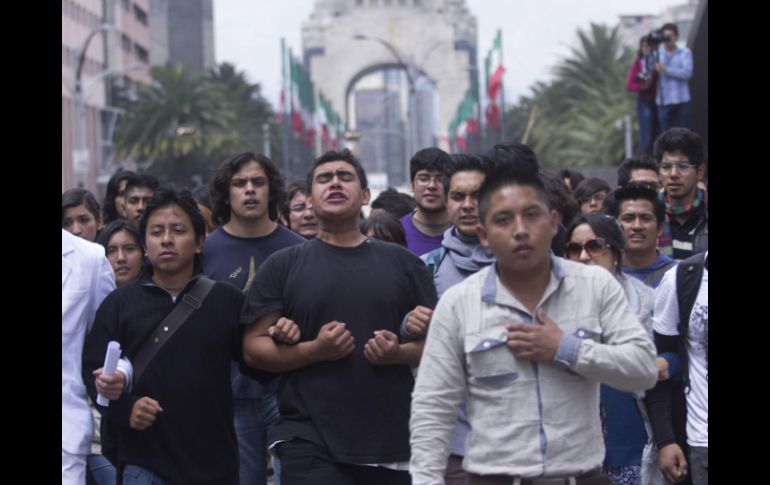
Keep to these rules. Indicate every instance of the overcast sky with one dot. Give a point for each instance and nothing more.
(536, 34)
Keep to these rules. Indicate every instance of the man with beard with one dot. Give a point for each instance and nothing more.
(426, 225)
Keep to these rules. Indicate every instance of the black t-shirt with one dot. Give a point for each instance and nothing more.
(358, 411)
(235, 260)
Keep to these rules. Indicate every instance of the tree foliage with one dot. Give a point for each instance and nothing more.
(184, 124)
(579, 111)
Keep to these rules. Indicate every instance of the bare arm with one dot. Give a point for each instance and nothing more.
(260, 351)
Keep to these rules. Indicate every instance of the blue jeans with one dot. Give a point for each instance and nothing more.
(649, 128)
(138, 475)
(101, 469)
(252, 419)
(673, 115)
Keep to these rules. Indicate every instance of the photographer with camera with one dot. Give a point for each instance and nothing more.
(674, 66)
(643, 79)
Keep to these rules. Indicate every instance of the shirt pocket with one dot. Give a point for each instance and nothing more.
(490, 362)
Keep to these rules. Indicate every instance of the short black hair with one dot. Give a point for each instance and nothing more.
(605, 227)
(559, 195)
(142, 180)
(574, 177)
(589, 187)
(466, 162)
(680, 140)
(385, 227)
(293, 189)
(116, 226)
(219, 187)
(335, 156)
(670, 26)
(113, 186)
(511, 173)
(394, 202)
(430, 159)
(641, 162)
(166, 196)
(635, 191)
(513, 152)
(76, 197)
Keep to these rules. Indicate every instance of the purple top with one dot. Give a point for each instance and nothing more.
(417, 242)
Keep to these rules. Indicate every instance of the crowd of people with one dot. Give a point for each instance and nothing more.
(505, 324)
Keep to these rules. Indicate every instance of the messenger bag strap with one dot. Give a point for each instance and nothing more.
(191, 301)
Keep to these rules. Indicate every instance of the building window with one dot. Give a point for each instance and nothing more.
(141, 53)
(140, 15)
(125, 42)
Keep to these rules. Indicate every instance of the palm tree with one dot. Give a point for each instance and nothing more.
(251, 111)
(576, 124)
(174, 120)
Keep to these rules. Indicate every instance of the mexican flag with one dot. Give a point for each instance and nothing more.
(494, 76)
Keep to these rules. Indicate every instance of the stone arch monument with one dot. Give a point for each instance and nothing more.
(355, 49)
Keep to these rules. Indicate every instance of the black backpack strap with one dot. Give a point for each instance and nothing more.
(688, 276)
(191, 301)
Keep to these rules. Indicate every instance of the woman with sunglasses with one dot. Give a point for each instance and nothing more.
(597, 239)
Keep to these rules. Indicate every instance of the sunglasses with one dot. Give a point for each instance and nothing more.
(594, 247)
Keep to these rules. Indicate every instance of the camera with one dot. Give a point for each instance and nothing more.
(657, 37)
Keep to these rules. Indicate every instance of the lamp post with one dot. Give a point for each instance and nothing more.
(81, 155)
(412, 70)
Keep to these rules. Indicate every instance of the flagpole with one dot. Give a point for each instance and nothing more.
(285, 141)
(502, 90)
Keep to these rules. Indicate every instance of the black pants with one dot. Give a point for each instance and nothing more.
(304, 463)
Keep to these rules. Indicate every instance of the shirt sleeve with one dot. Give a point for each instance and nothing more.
(441, 383)
(665, 320)
(266, 294)
(625, 357)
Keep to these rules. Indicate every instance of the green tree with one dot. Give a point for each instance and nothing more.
(579, 110)
(251, 111)
(175, 123)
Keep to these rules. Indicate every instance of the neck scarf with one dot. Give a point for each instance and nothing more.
(665, 242)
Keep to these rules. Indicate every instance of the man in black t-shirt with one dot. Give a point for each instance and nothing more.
(346, 386)
(246, 192)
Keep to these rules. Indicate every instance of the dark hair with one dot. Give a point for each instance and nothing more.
(293, 189)
(394, 202)
(76, 197)
(116, 226)
(642, 162)
(430, 159)
(219, 187)
(680, 140)
(512, 152)
(113, 187)
(559, 195)
(670, 26)
(605, 227)
(574, 177)
(511, 173)
(142, 180)
(166, 196)
(334, 156)
(466, 162)
(589, 187)
(386, 227)
(635, 191)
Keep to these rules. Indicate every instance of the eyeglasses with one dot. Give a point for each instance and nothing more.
(298, 208)
(424, 179)
(594, 247)
(682, 167)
